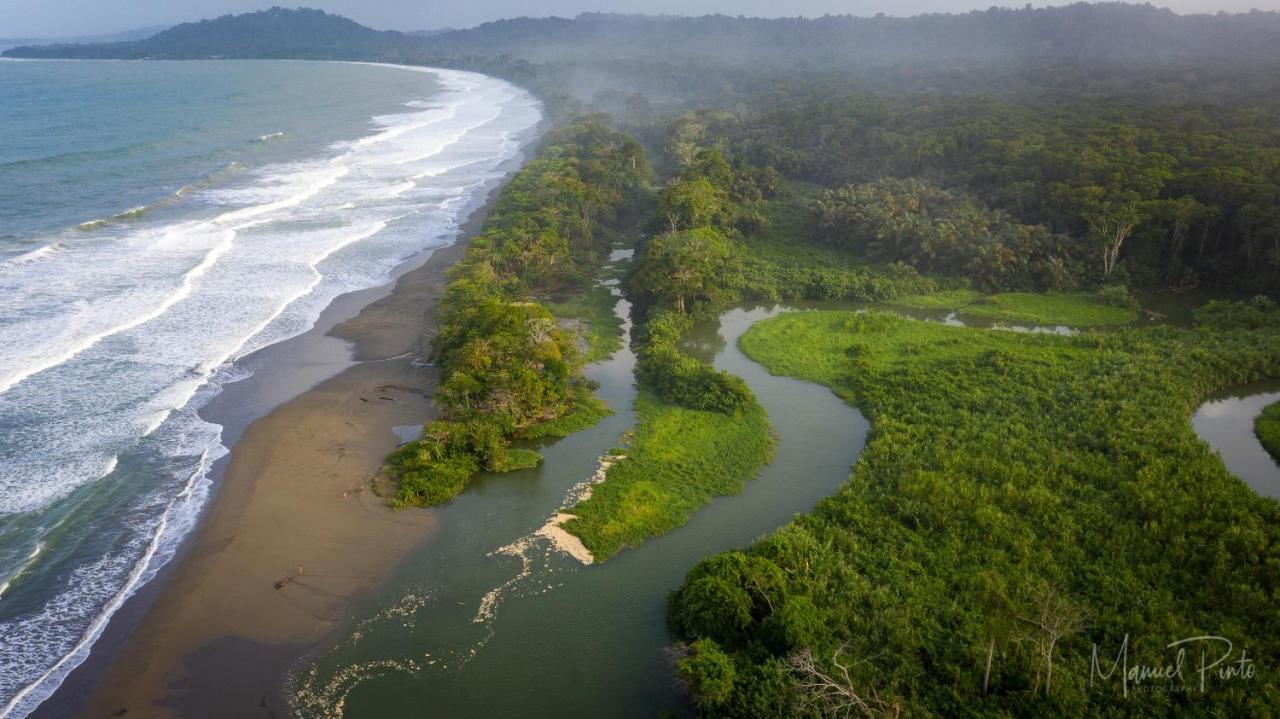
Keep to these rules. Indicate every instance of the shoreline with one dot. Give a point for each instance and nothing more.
(306, 431)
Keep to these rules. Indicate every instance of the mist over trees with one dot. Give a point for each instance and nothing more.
(1103, 31)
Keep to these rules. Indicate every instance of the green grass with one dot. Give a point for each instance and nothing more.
(1004, 470)
(1267, 427)
(785, 261)
(1072, 310)
(587, 411)
(784, 238)
(519, 458)
(600, 328)
(945, 300)
(678, 461)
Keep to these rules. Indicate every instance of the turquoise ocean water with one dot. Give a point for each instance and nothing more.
(158, 221)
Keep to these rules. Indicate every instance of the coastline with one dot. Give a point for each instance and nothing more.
(212, 635)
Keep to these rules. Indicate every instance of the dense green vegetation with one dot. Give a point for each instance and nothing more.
(1085, 192)
(725, 233)
(678, 461)
(1022, 498)
(701, 431)
(687, 270)
(507, 368)
(782, 258)
(1267, 427)
(937, 230)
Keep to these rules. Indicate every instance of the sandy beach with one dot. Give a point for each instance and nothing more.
(293, 535)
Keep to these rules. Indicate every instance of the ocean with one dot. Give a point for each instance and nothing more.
(159, 221)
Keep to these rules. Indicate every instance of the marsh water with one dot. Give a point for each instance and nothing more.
(1225, 422)
(486, 619)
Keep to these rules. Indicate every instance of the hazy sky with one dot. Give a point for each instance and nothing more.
(50, 18)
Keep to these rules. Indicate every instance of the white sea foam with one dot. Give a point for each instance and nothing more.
(110, 344)
(27, 258)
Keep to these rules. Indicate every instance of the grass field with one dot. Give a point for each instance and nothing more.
(678, 460)
(1072, 310)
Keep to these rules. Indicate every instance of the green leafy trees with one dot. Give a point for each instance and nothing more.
(708, 673)
(506, 366)
(679, 269)
(1017, 494)
(942, 231)
(690, 203)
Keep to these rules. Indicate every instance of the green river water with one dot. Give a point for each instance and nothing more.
(486, 619)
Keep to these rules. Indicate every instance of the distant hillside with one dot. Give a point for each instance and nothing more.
(274, 33)
(1105, 31)
(138, 34)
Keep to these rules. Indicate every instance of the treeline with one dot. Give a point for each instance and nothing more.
(725, 232)
(1114, 31)
(687, 270)
(506, 366)
(1022, 499)
(1111, 31)
(943, 232)
(1156, 193)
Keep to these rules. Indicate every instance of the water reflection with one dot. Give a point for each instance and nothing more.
(1225, 421)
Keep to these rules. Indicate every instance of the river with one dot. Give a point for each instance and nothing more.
(1225, 422)
(486, 619)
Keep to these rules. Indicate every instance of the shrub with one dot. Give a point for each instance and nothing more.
(1117, 296)
(708, 672)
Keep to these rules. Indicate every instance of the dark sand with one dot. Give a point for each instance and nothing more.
(217, 639)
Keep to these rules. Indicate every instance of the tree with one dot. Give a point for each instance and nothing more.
(1051, 618)
(833, 691)
(993, 595)
(708, 673)
(679, 268)
(690, 204)
(1111, 215)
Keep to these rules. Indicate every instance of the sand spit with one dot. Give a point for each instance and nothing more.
(554, 530)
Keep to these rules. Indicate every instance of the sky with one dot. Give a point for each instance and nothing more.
(68, 18)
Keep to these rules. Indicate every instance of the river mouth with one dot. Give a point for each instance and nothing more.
(1225, 422)
(488, 619)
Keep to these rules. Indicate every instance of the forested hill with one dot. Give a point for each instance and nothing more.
(1110, 31)
(274, 33)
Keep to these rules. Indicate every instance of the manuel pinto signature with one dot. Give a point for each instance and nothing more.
(1195, 663)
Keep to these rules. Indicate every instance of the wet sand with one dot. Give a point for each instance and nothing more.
(293, 535)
